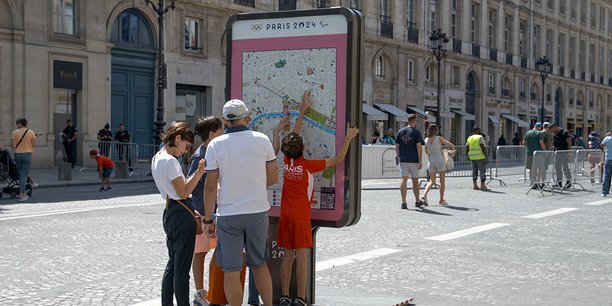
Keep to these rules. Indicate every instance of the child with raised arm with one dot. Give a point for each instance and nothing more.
(294, 229)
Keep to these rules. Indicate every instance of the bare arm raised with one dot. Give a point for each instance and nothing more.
(350, 134)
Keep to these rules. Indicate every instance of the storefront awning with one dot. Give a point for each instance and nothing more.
(374, 114)
(421, 113)
(463, 114)
(494, 120)
(399, 114)
(516, 120)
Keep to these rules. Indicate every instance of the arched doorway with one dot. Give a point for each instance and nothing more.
(470, 102)
(132, 80)
(558, 116)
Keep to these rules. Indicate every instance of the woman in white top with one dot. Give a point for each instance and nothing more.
(437, 163)
(178, 220)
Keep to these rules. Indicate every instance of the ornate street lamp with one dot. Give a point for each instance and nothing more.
(544, 67)
(438, 42)
(162, 73)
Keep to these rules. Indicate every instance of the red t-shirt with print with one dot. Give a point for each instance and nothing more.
(298, 186)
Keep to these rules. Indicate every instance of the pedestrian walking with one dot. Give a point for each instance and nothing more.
(69, 136)
(437, 162)
(178, 217)
(105, 168)
(24, 143)
(236, 182)
(295, 228)
(562, 141)
(477, 153)
(408, 150)
(207, 128)
(594, 159)
(105, 136)
(606, 159)
(534, 141)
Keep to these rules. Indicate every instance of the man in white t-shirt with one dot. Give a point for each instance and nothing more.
(242, 164)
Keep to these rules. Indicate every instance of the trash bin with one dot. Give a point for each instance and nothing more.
(121, 169)
(65, 172)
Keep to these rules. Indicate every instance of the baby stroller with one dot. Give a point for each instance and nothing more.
(9, 173)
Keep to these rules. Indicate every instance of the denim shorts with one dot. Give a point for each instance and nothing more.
(106, 172)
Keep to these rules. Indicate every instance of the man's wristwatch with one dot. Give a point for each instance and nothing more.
(207, 221)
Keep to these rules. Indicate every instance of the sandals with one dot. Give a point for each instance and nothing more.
(424, 200)
(443, 202)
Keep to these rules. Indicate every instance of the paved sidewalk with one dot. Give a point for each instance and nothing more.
(80, 176)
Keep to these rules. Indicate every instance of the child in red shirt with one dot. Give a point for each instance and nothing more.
(294, 228)
(105, 168)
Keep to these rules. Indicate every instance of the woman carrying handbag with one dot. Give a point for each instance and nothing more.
(437, 161)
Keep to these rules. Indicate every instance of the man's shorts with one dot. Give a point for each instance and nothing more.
(294, 233)
(238, 232)
(106, 172)
(409, 169)
(204, 244)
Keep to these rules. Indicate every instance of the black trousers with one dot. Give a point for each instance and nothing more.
(70, 148)
(180, 241)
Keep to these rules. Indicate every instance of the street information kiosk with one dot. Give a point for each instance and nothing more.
(273, 58)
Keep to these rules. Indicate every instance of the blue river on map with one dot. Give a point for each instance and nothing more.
(293, 114)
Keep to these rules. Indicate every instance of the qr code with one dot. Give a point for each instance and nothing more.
(328, 198)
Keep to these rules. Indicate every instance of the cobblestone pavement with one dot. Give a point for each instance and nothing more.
(77, 246)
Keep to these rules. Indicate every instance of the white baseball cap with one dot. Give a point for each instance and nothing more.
(234, 109)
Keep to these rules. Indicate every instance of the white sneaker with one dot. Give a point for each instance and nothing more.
(199, 299)
(34, 185)
(22, 198)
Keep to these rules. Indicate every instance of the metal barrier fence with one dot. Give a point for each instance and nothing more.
(541, 172)
(565, 165)
(510, 161)
(137, 155)
(589, 166)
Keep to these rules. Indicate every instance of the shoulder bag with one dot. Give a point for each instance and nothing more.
(198, 221)
(22, 136)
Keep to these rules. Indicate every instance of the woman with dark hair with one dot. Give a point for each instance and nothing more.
(24, 142)
(178, 218)
(437, 163)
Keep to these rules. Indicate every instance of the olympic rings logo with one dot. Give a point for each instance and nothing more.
(256, 27)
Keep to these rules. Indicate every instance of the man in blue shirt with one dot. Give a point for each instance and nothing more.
(606, 158)
(408, 147)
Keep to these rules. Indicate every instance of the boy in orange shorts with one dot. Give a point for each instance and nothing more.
(105, 168)
(294, 228)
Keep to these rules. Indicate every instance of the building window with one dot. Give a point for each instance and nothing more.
(534, 91)
(560, 49)
(492, 83)
(573, 9)
(410, 71)
(602, 19)
(572, 52)
(64, 17)
(591, 98)
(508, 33)
(610, 63)
(323, 4)
(583, 14)
(538, 2)
(250, 3)
(380, 67)
(475, 24)
(522, 88)
(581, 55)
(551, 4)
(536, 40)
(548, 92)
(456, 76)
(433, 15)
(592, 58)
(290, 5)
(610, 22)
(427, 73)
(600, 62)
(410, 13)
(571, 96)
(522, 36)
(549, 46)
(193, 32)
(492, 29)
(505, 92)
(354, 4)
(562, 7)
(593, 15)
(453, 24)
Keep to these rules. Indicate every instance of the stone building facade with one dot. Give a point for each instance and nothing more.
(95, 62)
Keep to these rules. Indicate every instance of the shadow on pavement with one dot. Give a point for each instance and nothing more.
(493, 191)
(461, 208)
(432, 212)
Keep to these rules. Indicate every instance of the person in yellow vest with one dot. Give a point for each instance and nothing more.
(477, 153)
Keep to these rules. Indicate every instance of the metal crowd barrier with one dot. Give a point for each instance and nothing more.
(565, 165)
(137, 155)
(541, 172)
(510, 161)
(588, 166)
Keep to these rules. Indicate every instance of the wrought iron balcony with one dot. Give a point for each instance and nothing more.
(386, 26)
(412, 33)
(505, 92)
(323, 3)
(287, 5)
